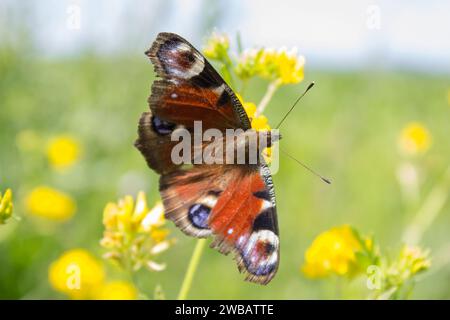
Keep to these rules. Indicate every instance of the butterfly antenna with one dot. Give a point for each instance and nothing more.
(295, 103)
(328, 181)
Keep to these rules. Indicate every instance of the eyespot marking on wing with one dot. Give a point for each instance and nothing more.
(178, 59)
(162, 127)
(260, 252)
(198, 214)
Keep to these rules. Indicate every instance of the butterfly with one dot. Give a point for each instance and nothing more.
(233, 203)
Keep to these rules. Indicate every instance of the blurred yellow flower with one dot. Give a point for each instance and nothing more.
(249, 64)
(414, 139)
(332, 252)
(6, 206)
(116, 290)
(282, 66)
(63, 151)
(413, 259)
(133, 233)
(49, 203)
(77, 274)
(396, 276)
(217, 46)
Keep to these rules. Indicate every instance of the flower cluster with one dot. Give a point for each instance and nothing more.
(343, 252)
(339, 251)
(6, 206)
(79, 275)
(397, 276)
(281, 66)
(134, 234)
(413, 260)
(217, 47)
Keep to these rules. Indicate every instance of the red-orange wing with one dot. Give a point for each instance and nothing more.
(235, 205)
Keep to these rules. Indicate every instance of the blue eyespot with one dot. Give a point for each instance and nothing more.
(198, 215)
(162, 127)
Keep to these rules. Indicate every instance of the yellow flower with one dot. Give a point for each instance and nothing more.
(6, 206)
(290, 67)
(49, 203)
(250, 109)
(63, 152)
(414, 139)
(129, 216)
(332, 252)
(217, 46)
(76, 273)
(153, 219)
(414, 260)
(116, 290)
(259, 123)
(282, 66)
(249, 63)
(135, 233)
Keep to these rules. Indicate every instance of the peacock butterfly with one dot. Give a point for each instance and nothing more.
(234, 203)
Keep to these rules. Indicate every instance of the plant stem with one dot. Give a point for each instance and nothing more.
(193, 264)
(227, 71)
(273, 86)
(431, 207)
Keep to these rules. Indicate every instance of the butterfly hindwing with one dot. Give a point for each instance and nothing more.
(234, 204)
(246, 223)
(189, 196)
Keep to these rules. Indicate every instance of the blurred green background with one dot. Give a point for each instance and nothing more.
(347, 128)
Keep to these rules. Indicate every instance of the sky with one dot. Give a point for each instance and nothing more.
(405, 34)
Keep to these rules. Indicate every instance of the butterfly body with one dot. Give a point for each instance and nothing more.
(230, 201)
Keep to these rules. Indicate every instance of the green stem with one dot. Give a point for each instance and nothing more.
(227, 70)
(193, 264)
(273, 86)
(430, 209)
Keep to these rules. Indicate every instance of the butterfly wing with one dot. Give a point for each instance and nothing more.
(235, 204)
(190, 90)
